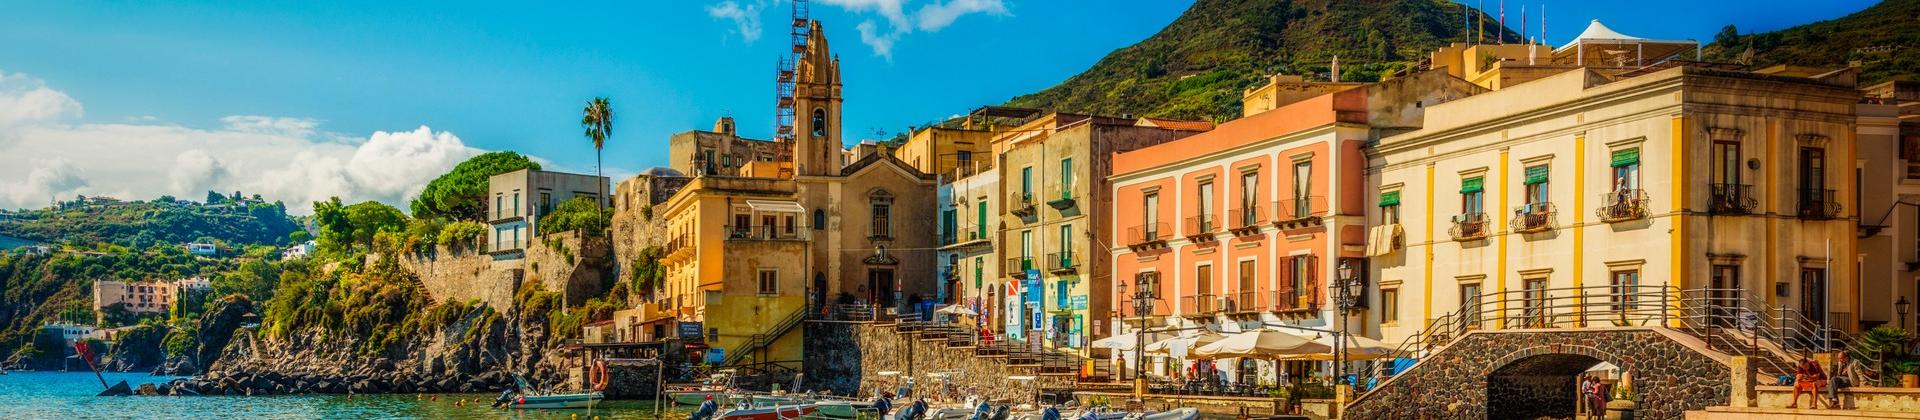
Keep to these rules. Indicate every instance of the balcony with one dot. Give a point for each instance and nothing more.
(1290, 299)
(1469, 227)
(1205, 305)
(1730, 199)
(1245, 221)
(1017, 266)
(1147, 236)
(1020, 204)
(968, 235)
(1533, 217)
(1061, 262)
(1246, 302)
(1299, 212)
(1062, 201)
(1200, 228)
(765, 233)
(1818, 204)
(1622, 205)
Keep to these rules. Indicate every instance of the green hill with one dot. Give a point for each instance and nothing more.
(139, 224)
(1197, 66)
(1884, 40)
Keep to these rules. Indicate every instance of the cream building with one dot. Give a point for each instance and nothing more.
(1889, 170)
(1682, 176)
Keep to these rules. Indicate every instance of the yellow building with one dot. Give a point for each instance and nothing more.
(736, 261)
(951, 153)
(1571, 187)
(1598, 48)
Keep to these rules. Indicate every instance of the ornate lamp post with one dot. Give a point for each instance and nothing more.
(1901, 307)
(1348, 300)
(1142, 308)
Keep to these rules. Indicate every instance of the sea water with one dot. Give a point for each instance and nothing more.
(68, 395)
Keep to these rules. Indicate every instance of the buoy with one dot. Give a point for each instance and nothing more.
(433, 398)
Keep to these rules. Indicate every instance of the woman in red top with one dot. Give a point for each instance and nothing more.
(1808, 377)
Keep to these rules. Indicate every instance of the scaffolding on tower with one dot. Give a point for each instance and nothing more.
(785, 73)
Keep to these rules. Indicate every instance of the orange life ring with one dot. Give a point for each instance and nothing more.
(598, 376)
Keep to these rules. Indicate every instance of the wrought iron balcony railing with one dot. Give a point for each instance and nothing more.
(1200, 226)
(1622, 205)
(1246, 219)
(1470, 226)
(1817, 203)
(1061, 262)
(1730, 199)
(1147, 234)
(1533, 217)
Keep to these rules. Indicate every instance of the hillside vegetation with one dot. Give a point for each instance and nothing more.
(1198, 65)
(140, 224)
(1884, 40)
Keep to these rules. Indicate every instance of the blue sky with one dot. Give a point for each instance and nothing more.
(144, 98)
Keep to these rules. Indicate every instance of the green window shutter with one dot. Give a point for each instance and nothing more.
(1390, 199)
(1472, 185)
(1536, 175)
(1626, 157)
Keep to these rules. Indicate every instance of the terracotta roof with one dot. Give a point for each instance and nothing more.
(1184, 125)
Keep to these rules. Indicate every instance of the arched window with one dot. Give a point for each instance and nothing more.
(819, 219)
(819, 122)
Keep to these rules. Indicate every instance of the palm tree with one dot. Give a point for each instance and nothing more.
(598, 119)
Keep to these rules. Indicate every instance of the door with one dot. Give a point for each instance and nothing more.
(880, 287)
(1724, 296)
(1813, 293)
(1470, 306)
(1536, 303)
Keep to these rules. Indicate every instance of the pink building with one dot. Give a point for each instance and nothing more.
(1247, 223)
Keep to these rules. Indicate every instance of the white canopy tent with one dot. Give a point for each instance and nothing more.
(1601, 46)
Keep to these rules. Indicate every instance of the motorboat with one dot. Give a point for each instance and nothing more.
(1188, 413)
(698, 397)
(778, 412)
(578, 400)
(844, 409)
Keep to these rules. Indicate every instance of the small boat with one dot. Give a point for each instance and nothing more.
(1174, 414)
(782, 412)
(842, 409)
(699, 397)
(556, 401)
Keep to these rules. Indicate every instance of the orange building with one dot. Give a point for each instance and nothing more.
(1246, 223)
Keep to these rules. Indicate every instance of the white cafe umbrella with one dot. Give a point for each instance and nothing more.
(1357, 348)
(1165, 347)
(1261, 343)
(956, 310)
(1121, 342)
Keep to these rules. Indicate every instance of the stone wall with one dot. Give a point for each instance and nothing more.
(1670, 376)
(450, 275)
(847, 358)
(568, 262)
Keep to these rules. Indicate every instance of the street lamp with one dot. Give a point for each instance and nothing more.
(1901, 307)
(1142, 308)
(1349, 280)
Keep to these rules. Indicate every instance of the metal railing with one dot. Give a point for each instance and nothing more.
(880, 228)
(1247, 301)
(1062, 200)
(1201, 304)
(765, 233)
(1730, 199)
(1201, 225)
(1020, 203)
(1298, 208)
(1533, 217)
(1817, 203)
(1246, 217)
(1059, 262)
(1018, 266)
(1148, 233)
(1729, 320)
(1622, 205)
(1289, 298)
(1469, 226)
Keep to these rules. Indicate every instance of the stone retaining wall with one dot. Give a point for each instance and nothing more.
(848, 357)
(453, 276)
(1670, 377)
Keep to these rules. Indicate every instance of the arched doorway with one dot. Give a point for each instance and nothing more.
(1539, 386)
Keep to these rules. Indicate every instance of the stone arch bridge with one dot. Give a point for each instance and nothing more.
(1531, 373)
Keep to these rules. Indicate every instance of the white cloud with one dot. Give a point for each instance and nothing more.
(25, 100)
(934, 17)
(287, 159)
(746, 19)
(930, 17)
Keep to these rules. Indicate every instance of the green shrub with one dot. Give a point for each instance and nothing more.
(579, 213)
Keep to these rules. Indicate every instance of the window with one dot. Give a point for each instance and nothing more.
(769, 282)
(965, 161)
(819, 122)
(1625, 285)
(1390, 207)
(499, 205)
(1026, 183)
(1152, 215)
(1066, 178)
(1390, 306)
(1203, 280)
(882, 213)
(1813, 168)
(1473, 195)
(819, 219)
(1536, 182)
(710, 162)
(1026, 247)
(1626, 169)
(1206, 208)
(1725, 293)
(516, 203)
(1536, 301)
(982, 209)
(1726, 162)
(742, 223)
(790, 227)
(948, 226)
(546, 202)
(1910, 152)
(1248, 271)
(1066, 246)
(1302, 187)
(1302, 277)
(1470, 305)
(1249, 198)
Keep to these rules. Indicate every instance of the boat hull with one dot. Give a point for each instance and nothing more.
(700, 397)
(785, 412)
(557, 401)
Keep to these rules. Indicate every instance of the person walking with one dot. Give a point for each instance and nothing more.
(1808, 377)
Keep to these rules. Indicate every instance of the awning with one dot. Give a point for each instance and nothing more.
(776, 206)
(1626, 157)
(1536, 174)
(1261, 343)
(1383, 239)
(1472, 185)
(1391, 198)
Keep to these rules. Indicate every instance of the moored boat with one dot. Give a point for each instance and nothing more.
(583, 400)
(782, 412)
(698, 397)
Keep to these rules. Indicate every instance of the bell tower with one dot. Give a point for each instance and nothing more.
(816, 99)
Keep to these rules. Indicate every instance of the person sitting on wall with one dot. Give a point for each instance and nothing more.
(1808, 377)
